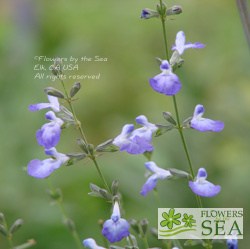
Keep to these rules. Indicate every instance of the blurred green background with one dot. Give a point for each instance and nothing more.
(216, 76)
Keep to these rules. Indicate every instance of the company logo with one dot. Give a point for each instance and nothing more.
(190, 223)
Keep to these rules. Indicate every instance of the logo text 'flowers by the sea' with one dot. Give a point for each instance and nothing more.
(196, 223)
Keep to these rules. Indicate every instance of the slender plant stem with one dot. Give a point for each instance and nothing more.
(157, 198)
(66, 216)
(100, 174)
(145, 242)
(9, 236)
(78, 123)
(245, 18)
(178, 118)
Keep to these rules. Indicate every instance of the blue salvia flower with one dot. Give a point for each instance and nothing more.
(115, 229)
(49, 135)
(54, 105)
(204, 124)
(139, 141)
(42, 169)
(148, 13)
(180, 45)
(152, 180)
(166, 82)
(232, 242)
(146, 131)
(90, 243)
(203, 187)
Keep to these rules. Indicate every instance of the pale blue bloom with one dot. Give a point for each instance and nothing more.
(166, 82)
(139, 141)
(49, 135)
(203, 187)
(204, 124)
(90, 243)
(54, 105)
(115, 229)
(180, 45)
(42, 169)
(232, 243)
(146, 131)
(152, 180)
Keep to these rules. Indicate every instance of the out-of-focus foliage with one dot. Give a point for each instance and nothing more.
(216, 77)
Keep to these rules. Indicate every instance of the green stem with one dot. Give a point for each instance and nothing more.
(78, 123)
(9, 236)
(66, 216)
(157, 198)
(178, 119)
(100, 174)
(145, 242)
(245, 18)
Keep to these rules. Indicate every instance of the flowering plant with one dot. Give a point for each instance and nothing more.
(141, 137)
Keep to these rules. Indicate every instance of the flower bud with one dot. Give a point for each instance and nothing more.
(82, 145)
(133, 223)
(74, 157)
(91, 149)
(163, 128)
(105, 194)
(54, 92)
(162, 9)
(175, 10)
(114, 187)
(57, 195)
(75, 88)
(106, 146)
(168, 116)
(17, 224)
(144, 226)
(177, 174)
(154, 232)
(186, 122)
(148, 13)
(57, 68)
(71, 225)
(2, 219)
(3, 230)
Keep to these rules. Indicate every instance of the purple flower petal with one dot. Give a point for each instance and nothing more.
(195, 45)
(232, 243)
(90, 243)
(180, 41)
(122, 138)
(115, 228)
(207, 125)
(152, 180)
(161, 173)
(49, 135)
(149, 185)
(206, 189)
(167, 84)
(203, 187)
(180, 45)
(137, 146)
(42, 169)
(54, 105)
(204, 124)
(115, 231)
